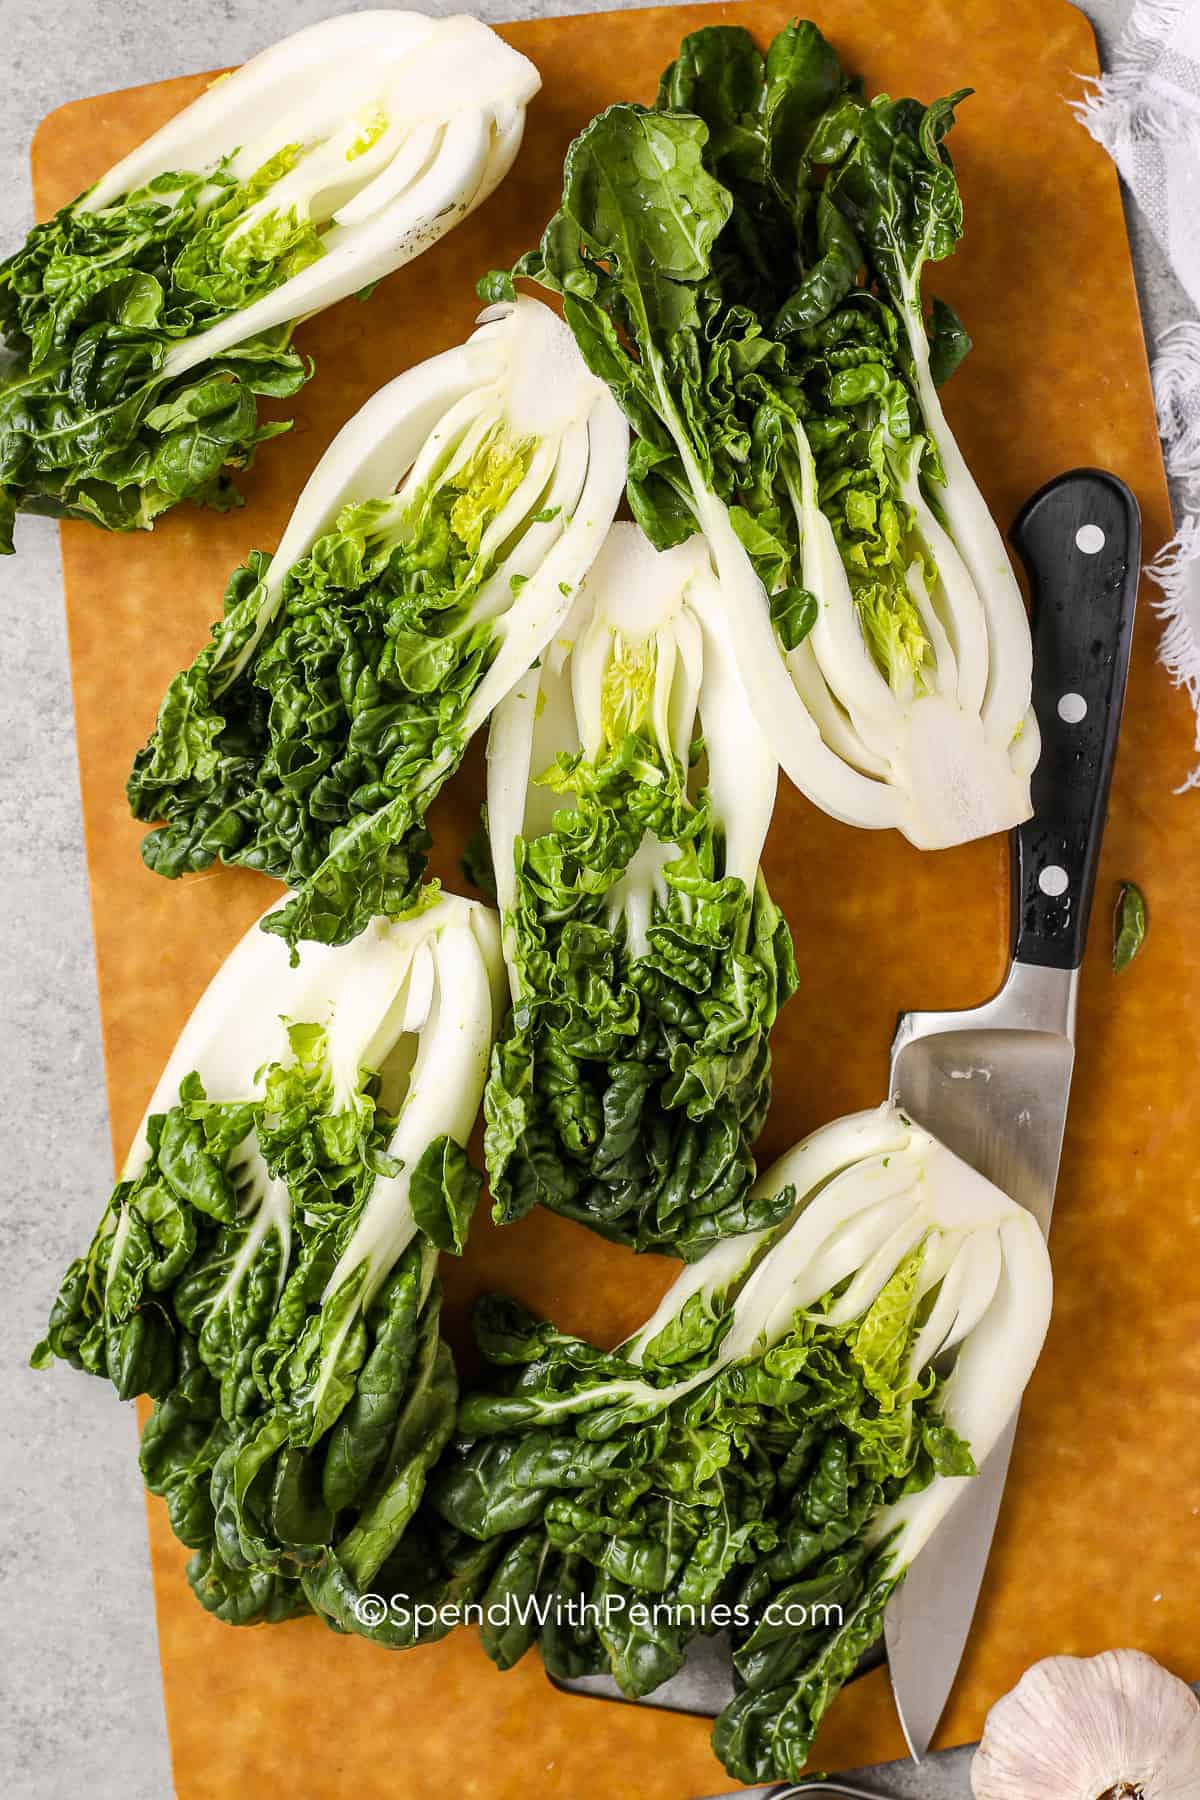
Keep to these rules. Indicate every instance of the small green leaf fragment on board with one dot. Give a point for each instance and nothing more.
(1129, 925)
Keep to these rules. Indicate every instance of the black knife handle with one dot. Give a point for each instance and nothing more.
(1080, 540)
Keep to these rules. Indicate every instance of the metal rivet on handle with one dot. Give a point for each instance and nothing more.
(1072, 708)
(1090, 539)
(1054, 880)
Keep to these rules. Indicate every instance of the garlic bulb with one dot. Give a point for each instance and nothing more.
(1110, 1727)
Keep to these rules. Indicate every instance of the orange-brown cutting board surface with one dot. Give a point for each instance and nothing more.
(1099, 1542)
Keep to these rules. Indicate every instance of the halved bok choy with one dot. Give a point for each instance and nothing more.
(630, 788)
(770, 1451)
(148, 316)
(743, 266)
(266, 1267)
(435, 550)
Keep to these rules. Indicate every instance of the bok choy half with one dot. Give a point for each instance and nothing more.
(630, 789)
(148, 317)
(266, 1267)
(779, 1439)
(743, 266)
(433, 553)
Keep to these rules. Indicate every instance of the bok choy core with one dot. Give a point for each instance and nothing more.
(629, 793)
(742, 265)
(780, 1438)
(266, 1268)
(149, 316)
(435, 550)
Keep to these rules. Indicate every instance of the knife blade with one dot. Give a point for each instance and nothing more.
(993, 1083)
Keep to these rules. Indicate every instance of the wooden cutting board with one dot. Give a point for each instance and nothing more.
(1099, 1541)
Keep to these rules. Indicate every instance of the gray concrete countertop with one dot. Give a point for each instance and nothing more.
(80, 1689)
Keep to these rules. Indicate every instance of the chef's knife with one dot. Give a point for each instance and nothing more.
(993, 1083)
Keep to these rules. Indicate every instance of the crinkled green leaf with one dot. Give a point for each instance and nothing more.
(309, 740)
(90, 306)
(630, 1081)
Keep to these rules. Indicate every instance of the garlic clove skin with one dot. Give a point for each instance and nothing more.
(1112, 1727)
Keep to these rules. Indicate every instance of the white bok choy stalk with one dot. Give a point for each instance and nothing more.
(435, 550)
(629, 793)
(875, 1194)
(780, 1438)
(895, 669)
(266, 1268)
(150, 314)
(380, 131)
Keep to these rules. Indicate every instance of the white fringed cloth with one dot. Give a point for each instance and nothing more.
(1146, 113)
